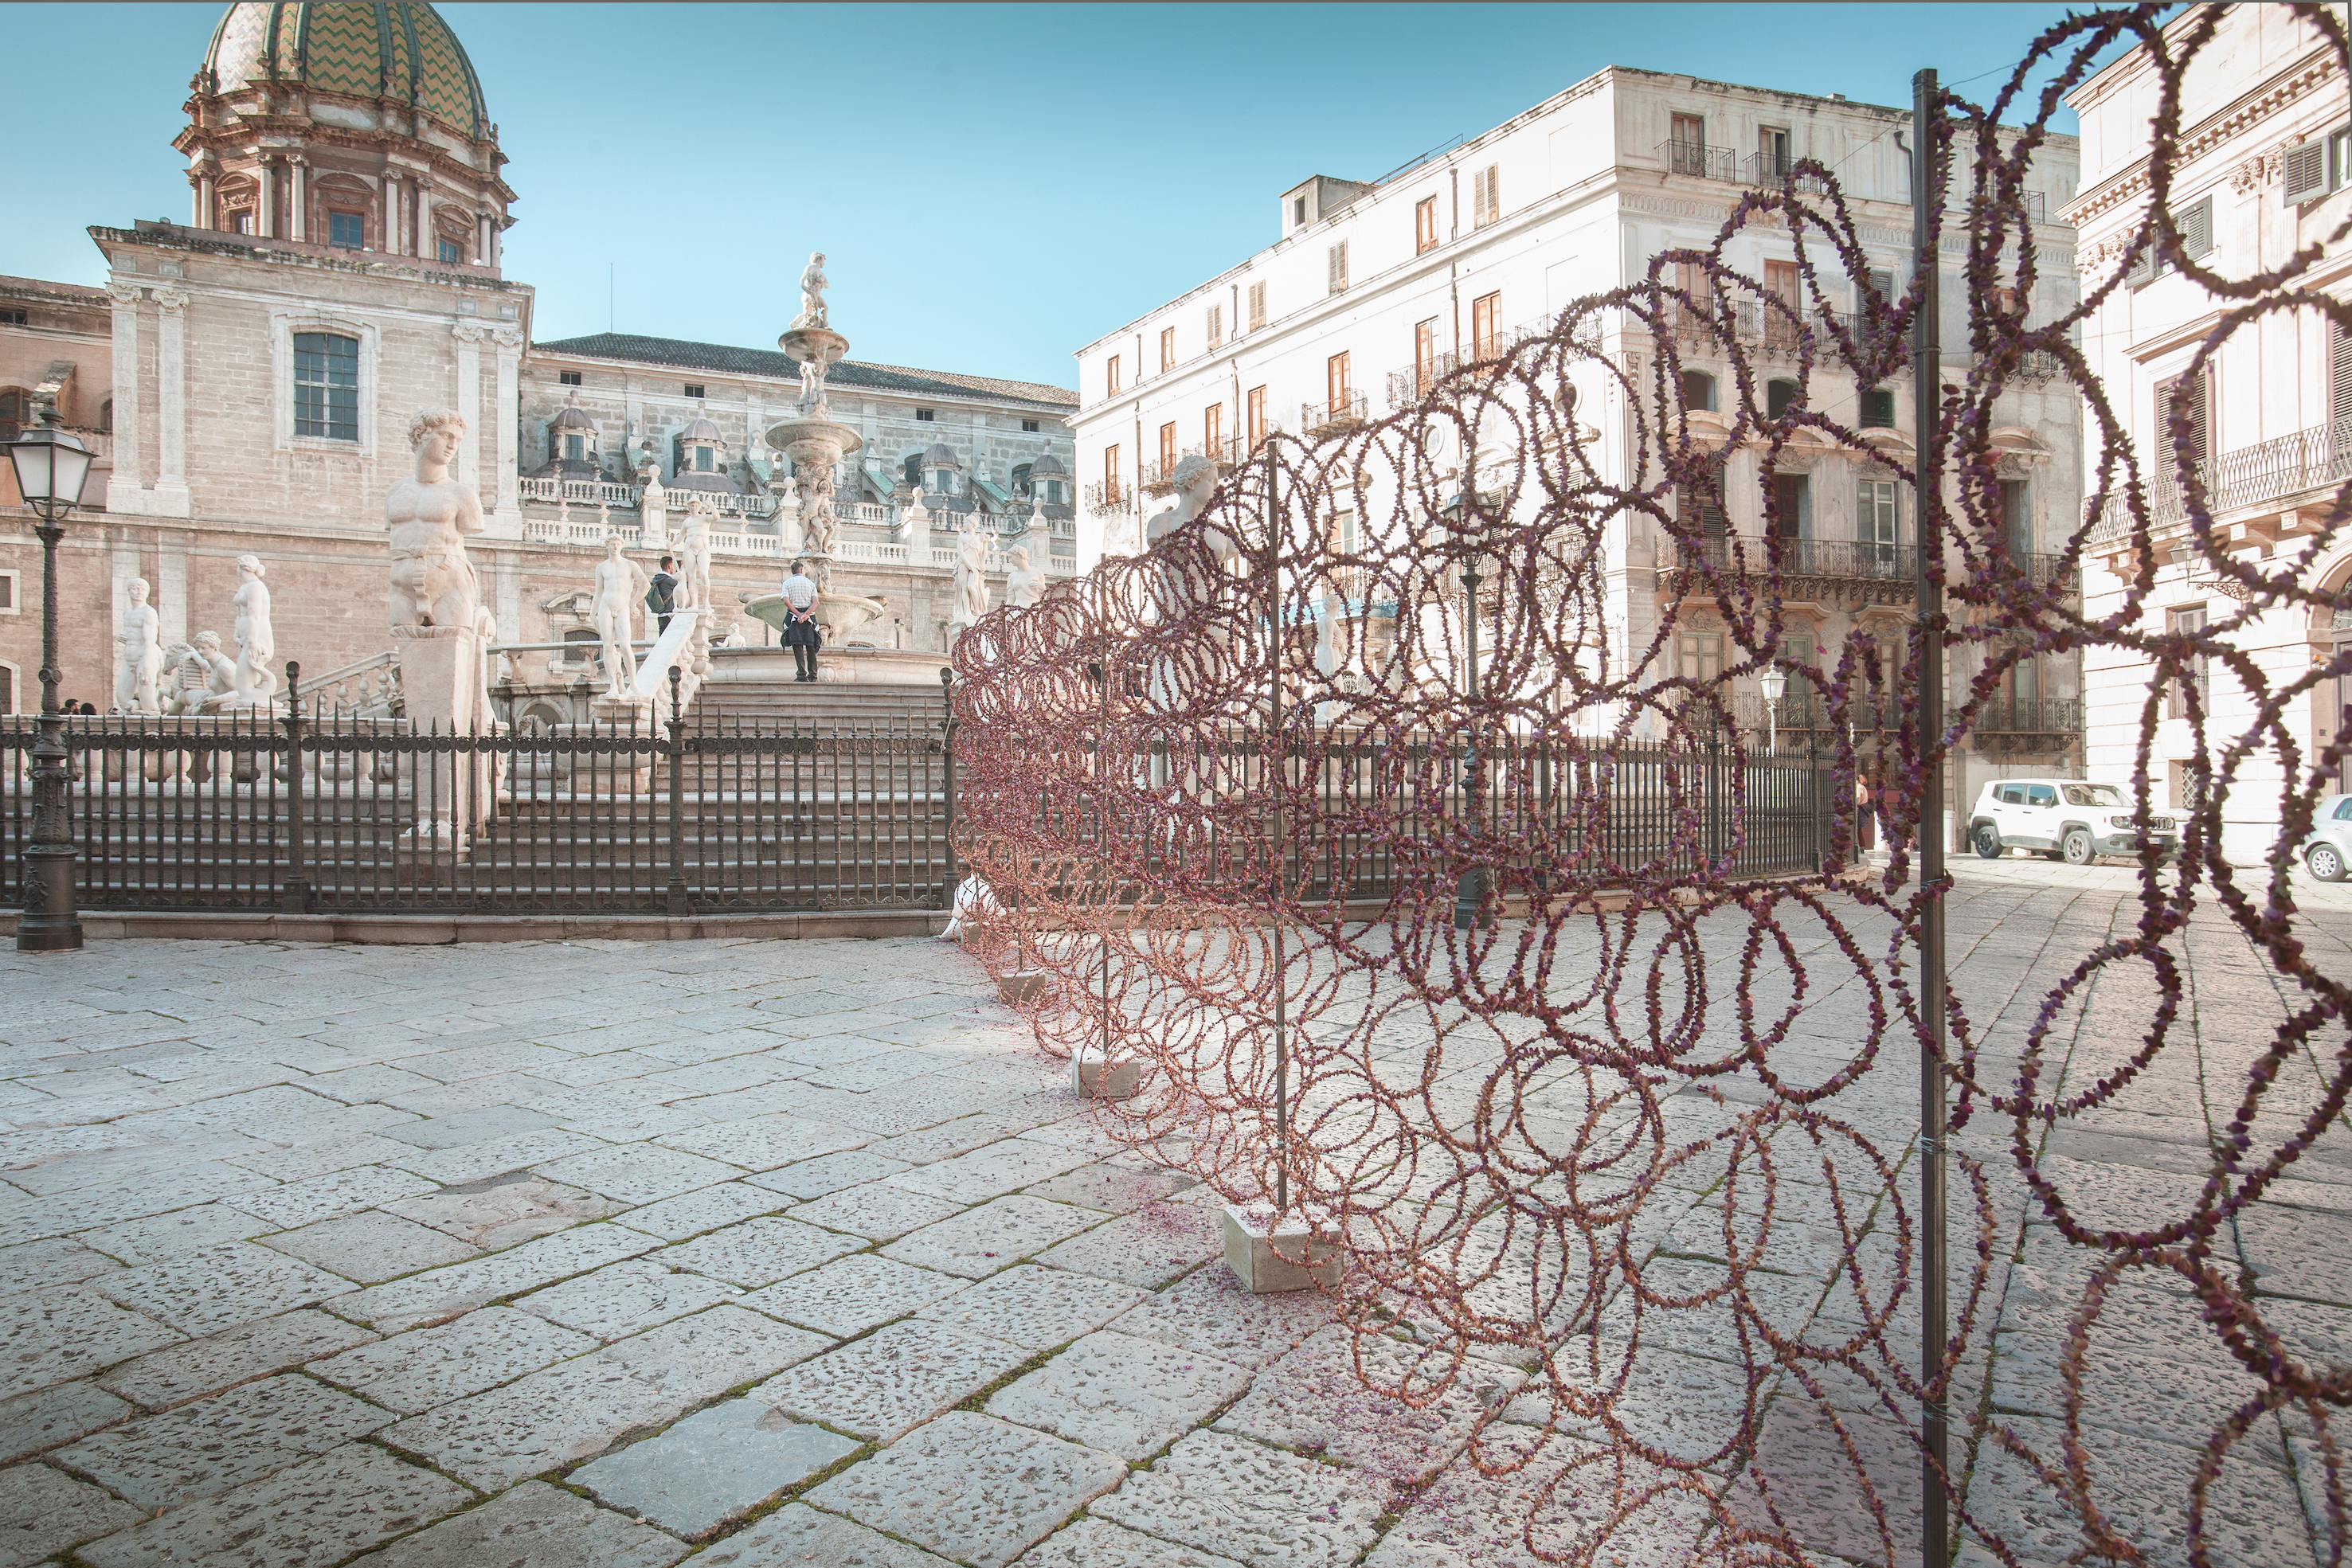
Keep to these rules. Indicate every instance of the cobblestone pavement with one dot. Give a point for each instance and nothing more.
(775, 1253)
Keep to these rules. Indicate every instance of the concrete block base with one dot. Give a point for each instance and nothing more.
(1020, 986)
(1098, 1079)
(1266, 1260)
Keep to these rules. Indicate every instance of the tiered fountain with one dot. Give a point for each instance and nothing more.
(816, 444)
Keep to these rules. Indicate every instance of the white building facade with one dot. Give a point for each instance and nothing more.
(2264, 173)
(1372, 288)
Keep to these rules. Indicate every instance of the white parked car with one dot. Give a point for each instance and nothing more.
(2328, 852)
(2065, 819)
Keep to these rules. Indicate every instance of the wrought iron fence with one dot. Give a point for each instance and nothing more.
(1699, 161)
(339, 813)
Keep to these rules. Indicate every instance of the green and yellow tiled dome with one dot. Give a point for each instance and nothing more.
(402, 51)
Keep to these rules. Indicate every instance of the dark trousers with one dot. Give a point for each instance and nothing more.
(661, 624)
(804, 662)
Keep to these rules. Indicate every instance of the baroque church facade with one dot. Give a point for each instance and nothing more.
(249, 378)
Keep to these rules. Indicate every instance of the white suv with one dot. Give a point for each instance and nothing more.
(2066, 818)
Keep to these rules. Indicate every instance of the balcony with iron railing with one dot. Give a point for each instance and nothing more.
(1698, 161)
(1318, 420)
(1104, 497)
(1772, 172)
(1409, 384)
(1159, 478)
(1866, 564)
(2264, 475)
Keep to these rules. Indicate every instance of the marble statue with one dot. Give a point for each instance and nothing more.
(812, 403)
(1023, 587)
(429, 516)
(620, 584)
(142, 658)
(199, 673)
(819, 527)
(256, 642)
(813, 288)
(734, 637)
(693, 548)
(970, 575)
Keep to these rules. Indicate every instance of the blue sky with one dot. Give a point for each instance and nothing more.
(994, 185)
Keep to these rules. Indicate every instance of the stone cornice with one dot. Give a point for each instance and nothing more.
(2297, 82)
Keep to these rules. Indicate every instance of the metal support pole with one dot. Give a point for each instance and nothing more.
(295, 899)
(1470, 887)
(678, 903)
(1275, 763)
(947, 774)
(1928, 513)
(50, 922)
(1101, 673)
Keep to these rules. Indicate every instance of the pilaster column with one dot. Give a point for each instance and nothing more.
(297, 197)
(171, 498)
(481, 239)
(508, 417)
(470, 336)
(265, 180)
(172, 585)
(200, 200)
(423, 220)
(123, 489)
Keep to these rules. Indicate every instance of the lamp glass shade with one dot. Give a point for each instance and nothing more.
(1774, 682)
(50, 465)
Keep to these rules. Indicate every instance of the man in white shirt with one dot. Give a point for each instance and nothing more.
(801, 634)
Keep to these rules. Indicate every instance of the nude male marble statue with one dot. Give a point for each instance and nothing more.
(141, 660)
(429, 516)
(970, 574)
(620, 584)
(813, 288)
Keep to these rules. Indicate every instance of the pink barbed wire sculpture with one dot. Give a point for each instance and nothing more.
(1448, 914)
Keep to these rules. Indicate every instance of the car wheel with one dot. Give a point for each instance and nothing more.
(1989, 841)
(2075, 847)
(2326, 861)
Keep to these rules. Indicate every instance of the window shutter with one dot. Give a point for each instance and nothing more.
(1337, 268)
(1882, 282)
(2306, 173)
(2197, 228)
(2143, 270)
(1494, 192)
(2339, 378)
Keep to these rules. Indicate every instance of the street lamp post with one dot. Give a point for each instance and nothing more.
(50, 466)
(1775, 681)
(1470, 887)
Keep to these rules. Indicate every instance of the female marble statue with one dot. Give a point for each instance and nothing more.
(142, 658)
(256, 642)
(1023, 586)
(970, 574)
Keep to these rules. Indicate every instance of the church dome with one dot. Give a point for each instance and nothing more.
(941, 455)
(403, 52)
(1047, 467)
(573, 416)
(702, 429)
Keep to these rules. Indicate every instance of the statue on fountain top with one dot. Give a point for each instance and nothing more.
(812, 403)
(813, 288)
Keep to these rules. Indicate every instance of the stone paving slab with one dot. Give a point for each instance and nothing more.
(699, 1357)
(33, 1422)
(43, 1512)
(309, 1515)
(414, 1372)
(621, 1299)
(557, 1417)
(372, 1247)
(826, 1174)
(1100, 1543)
(1032, 1306)
(206, 1366)
(199, 1449)
(981, 1241)
(851, 1295)
(54, 1336)
(894, 1380)
(1156, 1246)
(875, 1210)
(504, 1209)
(1225, 1494)
(690, 1214)
(440, 1293)
(759, 1251)
(712, 1466)
(1127, 1397)
(533, 1526)
(796, 1535)
(1312, 1400)
(981, 1489)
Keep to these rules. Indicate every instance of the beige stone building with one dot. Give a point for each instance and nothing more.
(249, 378)
(2265, 169)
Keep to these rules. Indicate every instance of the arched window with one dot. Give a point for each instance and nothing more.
(1021, 479)
(106, 417)
(912, 467)
(1698, 392)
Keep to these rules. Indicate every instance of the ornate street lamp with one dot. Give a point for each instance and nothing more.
(50, 467)
(1470, 887)
(1775, 681)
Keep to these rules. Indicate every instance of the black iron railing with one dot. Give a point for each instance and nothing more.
(2318, 458)
(1317, 418)
(1699, 161)
(347, 814)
